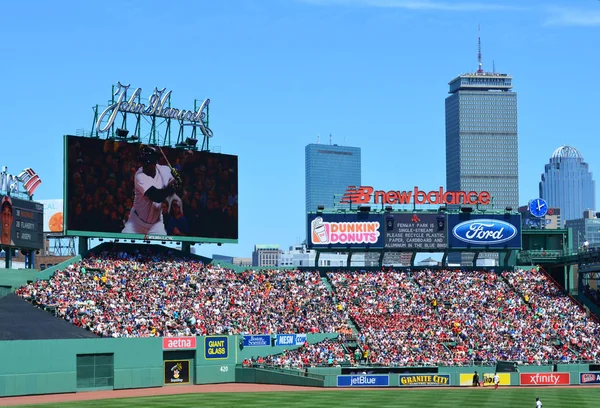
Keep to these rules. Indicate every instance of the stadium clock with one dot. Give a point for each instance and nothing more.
(538, 207)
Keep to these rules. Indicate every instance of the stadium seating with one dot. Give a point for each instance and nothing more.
(402, 318)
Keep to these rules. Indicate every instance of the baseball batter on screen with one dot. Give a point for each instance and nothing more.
(153, 184)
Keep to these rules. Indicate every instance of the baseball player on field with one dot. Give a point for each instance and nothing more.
(153, 184)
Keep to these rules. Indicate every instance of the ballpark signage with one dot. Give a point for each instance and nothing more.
(367, 194)
(290, 339)
(545, 378)
(345, 230)
(363, 381)
(489, 231)
(179, 343)
(176, 372)
(424, 380)
(257, 341)
(21, 223)
(415, 231)
(10, 183)
(157, 107)
(216, 347)
(589, 378)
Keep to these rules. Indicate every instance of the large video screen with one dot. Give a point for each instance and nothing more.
(120, 189)
(22, 223)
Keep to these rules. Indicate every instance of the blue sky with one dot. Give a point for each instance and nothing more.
(373, 73)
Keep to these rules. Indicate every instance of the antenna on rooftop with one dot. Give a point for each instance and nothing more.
(480, 69)
(330, 139)
(318, 138)
(493, 66)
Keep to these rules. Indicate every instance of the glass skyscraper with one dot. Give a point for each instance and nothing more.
(482, 149)
(329, 170)
(567, 183)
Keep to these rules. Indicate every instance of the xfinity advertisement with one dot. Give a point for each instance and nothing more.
(482, 231)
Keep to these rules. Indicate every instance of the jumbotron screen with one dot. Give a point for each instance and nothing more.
(131, 190)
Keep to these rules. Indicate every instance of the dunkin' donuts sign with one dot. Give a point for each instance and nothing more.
(345, 230)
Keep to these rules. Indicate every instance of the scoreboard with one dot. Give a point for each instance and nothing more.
(21, 223)
(415, 231)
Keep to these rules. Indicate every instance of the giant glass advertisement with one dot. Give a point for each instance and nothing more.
(130, 190)
(360, 230)
(481, 231)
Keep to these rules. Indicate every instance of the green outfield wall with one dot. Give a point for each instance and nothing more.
(59, 366)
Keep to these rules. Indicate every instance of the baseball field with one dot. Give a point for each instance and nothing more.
(577, 397)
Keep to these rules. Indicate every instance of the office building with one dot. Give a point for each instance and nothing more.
(567, 183)
(265, 255)
(481, 137)
(329, 170)
(586, 230)
(300, 255)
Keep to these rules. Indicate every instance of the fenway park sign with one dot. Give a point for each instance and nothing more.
(367, 194)
(179, 343)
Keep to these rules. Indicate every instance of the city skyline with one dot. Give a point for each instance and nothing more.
(373, 73)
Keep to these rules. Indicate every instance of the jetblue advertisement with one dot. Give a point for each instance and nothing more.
(481, 231)
(363, 381)
(345, 230)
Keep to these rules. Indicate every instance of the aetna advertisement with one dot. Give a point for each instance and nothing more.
(473, 231)
(545, 379)
(345, 230)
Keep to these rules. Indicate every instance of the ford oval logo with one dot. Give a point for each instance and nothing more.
(484, 231)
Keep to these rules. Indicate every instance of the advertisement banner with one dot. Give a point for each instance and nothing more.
(479, 231)
(53, 215)
(179, 343)
(545, 378)
(415, 231)
(290, 339)
(130, 190)
(21, 223)
(257, 341)
(216, 348)
(424, 380)
(589, 378)
(360, 230)
(363, 381)
(177, 372)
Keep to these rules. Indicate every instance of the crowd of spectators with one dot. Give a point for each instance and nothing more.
(144, 294)
(458, 317)
(397, 324)
(328, 353)
(404, 318)
(554, 313)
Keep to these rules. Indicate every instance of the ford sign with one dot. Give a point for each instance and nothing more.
(484, 231)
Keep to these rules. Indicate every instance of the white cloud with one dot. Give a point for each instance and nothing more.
(559, 16)
(426, 5)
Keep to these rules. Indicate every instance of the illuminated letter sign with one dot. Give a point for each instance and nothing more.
(364, 195)
(156, 107)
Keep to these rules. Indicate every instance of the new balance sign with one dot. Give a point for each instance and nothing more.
(367, 194)
(179, 343)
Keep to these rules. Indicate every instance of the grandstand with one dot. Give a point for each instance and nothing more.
(391, 317)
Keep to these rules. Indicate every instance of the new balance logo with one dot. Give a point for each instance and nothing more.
(357, 195)
(30, 180)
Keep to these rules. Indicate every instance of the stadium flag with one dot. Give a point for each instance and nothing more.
(30, 180)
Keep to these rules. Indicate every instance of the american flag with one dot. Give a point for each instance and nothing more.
(30, 180)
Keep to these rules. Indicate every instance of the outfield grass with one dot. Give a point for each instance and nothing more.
(579, 397)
